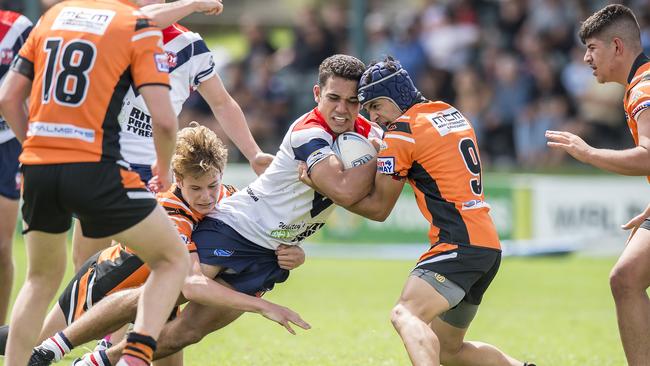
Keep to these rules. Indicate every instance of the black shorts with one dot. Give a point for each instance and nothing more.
(251, 269)
(104, 196)
(9, 175)
(108, 271)
(472, 268)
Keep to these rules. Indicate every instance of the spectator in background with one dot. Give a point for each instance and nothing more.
(511, 17)
(436, 43)
(258, 42)
(473, 97)
(406, 45)
(312, 42)
(378, 40)
(553, 20)
(12, 5)
(336, 23)
(447, 41)
(644, 23)
(512, 93)
(600, 112)
(548, 109)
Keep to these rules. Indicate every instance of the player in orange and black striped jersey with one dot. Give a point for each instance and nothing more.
(432, 146)
(76, 65)
(615, 54)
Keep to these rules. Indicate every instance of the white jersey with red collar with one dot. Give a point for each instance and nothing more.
(190, 63)
(14, 29)
(277, 208)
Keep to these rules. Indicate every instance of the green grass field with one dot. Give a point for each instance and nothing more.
(554, 311)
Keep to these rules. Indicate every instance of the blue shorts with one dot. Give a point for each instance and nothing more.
(144, 171)
(249, 268)
(9, 175)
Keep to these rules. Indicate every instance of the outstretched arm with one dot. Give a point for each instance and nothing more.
(233, 122)
(634, 161)
(199, 287)
(166, 14)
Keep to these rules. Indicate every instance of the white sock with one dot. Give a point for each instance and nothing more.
(93, 359)
(58, 344)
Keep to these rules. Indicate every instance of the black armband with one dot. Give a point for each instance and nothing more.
(24, 67)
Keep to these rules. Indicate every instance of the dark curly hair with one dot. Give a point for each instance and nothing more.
(343, 66)
(614, 20)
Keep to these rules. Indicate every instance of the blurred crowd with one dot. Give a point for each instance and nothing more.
(513, 67)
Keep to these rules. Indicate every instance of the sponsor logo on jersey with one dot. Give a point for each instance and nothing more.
(287, 231)
(185, 239)
(399, 127)
(309, 230)
(251, 194)
(448, 121)
(162, 63)
(440, 278)
(315, 157)
(282, 234)
(224, 252)
(86, 20)
(139, 123)
(382, 145)
(6, 56)
(386, 165)
(292, 227)
(172, 59)
(61, 130)
(474, 204)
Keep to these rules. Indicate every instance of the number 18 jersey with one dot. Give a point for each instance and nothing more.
(277, 208)
(82, 57)
(434, 146)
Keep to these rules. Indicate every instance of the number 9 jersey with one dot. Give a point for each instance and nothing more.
(434, 146)
(82, 57)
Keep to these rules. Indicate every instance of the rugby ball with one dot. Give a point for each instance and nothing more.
(353, 149)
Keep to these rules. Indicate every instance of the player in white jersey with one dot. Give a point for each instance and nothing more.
(14, 29)
(191, 67)
(277, 208)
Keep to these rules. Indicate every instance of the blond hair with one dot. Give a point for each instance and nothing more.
(198, 152)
